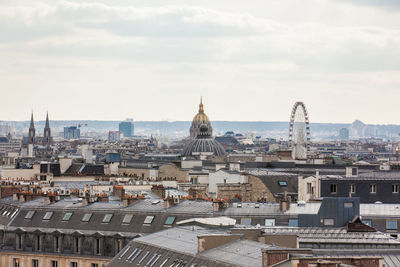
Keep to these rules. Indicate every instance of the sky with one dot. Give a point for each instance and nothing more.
(152, 60)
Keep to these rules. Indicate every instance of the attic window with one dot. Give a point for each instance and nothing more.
(170, 220)
(127, 219)
(86, 217)
(107, 218)
(282, 183)
(67, 216)
(30, 214)
(148, 220)
(48, 215)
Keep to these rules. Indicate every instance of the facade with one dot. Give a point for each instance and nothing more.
(127, 128)
(372, 187)
(114, 136)
(72, 132)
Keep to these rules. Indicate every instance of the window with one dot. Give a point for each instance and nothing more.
(170, 220)
(124, 252)
(57, 243)
(367, 222)
(354, 171)
(294, 222)
(135, 255)
(395, 188)
(74, 264)
(282, 183)
(348, 204)
(95, 265)
(333, 188)
(38, 242)
(127, 219)
(269, 222)
(54, 263)
(107, 218)
(98, 246)
(164, 262)
(148, 220)
(329, 222)
(86, 217)
(29, 214)
(144, 256)
(48, 215)
(309, 188)
(245, 221)
(67, 216)
(76, 245)
(119, 245)
(19, 241)
(352, 188)
(372, 188)
(15, 262)
(391, 224)
(35, 263)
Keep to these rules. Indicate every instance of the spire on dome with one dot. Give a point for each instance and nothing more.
(201, 108)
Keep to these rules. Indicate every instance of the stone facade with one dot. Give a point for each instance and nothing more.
(172, 172)
(259, 190)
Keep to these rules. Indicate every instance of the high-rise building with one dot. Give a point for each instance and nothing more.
(72, 132)
(344, 134)
(126, 128)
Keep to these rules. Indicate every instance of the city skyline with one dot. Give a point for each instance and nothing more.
(153, 61)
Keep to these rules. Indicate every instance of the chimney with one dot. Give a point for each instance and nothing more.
(271, 257)
(218, 205)
(168, 202)
(85, 201)
(119, 191)
(46, 200)
(207, 242)
(127, 201)
(284, 204)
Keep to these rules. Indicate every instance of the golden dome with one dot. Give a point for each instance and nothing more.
(201, 117)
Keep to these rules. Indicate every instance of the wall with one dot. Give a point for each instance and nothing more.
(6, 259)
(260, 191)
(171, 171)
(221, 176)
(383, 189)
(303, 193)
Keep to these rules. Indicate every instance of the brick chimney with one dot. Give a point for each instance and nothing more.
(206, 242)
(119, 191)
(284, 204)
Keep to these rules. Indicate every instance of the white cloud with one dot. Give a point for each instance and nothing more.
(174, 52)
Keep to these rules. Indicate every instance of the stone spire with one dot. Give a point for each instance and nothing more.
(47, 132)
(32, 131)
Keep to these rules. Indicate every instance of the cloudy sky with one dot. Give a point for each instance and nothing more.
(152, 60)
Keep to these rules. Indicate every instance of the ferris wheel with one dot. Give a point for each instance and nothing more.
(299, 131)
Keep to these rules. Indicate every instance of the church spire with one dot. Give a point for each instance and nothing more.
(32, 131)
(32, 126)
(47, 132)
(201, 108)
(47, 121)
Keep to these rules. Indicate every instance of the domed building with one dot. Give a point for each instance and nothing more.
(200, 119)
(201, 134)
